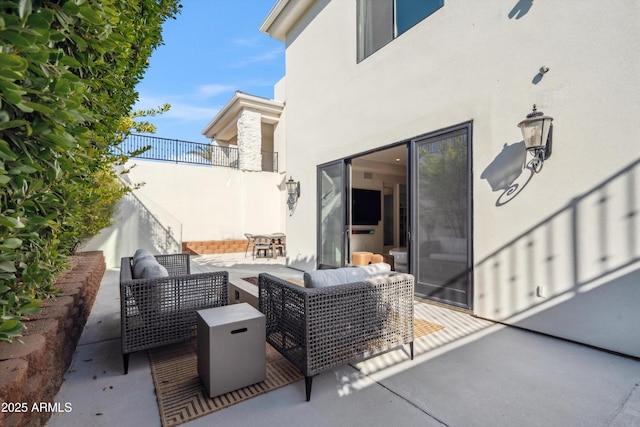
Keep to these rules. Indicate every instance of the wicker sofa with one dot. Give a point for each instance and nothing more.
(320, 328)
(156, 311)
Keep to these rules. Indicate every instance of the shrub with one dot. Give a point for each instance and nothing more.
(68, 71)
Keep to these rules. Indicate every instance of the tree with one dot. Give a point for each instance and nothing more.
(443, 185)
(68, 71)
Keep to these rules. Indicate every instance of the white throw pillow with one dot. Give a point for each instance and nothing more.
(378, 270)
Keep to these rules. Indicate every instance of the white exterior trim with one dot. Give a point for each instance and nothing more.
(223, 127)
(283, 16)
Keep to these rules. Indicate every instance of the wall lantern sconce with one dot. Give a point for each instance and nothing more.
(293, 192)
(537, 130)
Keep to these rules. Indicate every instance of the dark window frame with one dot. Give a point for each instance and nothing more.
(380, 36)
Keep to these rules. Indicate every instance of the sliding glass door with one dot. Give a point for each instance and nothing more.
(441, 216)
(332, 214)
(434, 223)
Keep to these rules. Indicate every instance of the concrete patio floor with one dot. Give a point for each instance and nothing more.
(471, 373)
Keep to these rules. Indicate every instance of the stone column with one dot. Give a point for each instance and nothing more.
(249, 140)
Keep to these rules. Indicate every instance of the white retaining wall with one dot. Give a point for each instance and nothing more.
(192, 203)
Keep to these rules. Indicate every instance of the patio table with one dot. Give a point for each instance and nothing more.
(274, 242)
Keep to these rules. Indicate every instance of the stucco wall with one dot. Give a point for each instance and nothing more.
(214, 203)
(573, 228)
(138, 223)
(205, 203)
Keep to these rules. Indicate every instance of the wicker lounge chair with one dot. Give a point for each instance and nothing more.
(320, 328)
(160, 311)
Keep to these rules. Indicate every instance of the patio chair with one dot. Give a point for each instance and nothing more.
(279, 244)
(249, 243)
(159, 298)
(261, 244)
(322, 327)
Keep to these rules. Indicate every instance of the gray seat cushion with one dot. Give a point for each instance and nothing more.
(339, 276)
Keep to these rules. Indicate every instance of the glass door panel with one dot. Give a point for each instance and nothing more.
(332, 228)
(441, 217)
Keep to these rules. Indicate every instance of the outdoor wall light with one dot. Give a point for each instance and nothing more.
(537, 130)
(293, 191)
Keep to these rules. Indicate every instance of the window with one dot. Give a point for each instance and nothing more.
(380, 21)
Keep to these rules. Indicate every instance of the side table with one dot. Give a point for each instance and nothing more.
(231, 347)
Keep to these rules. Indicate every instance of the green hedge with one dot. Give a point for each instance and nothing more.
(68, 71)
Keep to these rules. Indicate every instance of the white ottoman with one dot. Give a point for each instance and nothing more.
(231, 348)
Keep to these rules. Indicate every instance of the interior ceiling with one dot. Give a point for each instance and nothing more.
(387, 156)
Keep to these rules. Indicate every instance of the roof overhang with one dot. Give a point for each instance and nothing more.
(223, 126)
(283, 16)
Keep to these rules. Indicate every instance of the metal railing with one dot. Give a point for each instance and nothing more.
(195, 153)
(178, 151)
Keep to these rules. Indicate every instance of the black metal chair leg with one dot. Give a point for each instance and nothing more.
(125, 361)
(411, 349)
(307, 386)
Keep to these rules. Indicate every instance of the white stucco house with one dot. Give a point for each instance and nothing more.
(400, 121)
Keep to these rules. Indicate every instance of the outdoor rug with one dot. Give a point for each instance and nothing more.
(182, 396)
(422, 328)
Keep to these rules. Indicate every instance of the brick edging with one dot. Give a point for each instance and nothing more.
(32, 373)
(214, 247)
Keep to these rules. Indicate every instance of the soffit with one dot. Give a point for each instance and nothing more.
(223, 126)
(283, 16)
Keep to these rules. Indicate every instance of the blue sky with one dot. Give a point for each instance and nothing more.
(212, 49)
